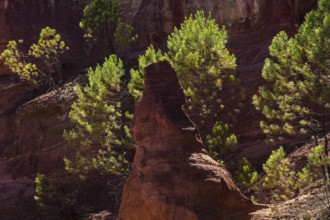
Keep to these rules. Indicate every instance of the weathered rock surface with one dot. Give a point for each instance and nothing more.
(173, 177)
(31, 127)
(157, 18)
(30, 142)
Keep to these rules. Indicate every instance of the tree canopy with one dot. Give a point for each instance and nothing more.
(197, 51)
(100, 19)
(42, 61)
(297, 100)
(100, 135)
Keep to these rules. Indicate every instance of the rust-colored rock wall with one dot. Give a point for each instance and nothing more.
(173, 177)
(30, 142)
(155, 19)
(31, 129)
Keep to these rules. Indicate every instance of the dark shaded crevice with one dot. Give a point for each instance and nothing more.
(177, 12)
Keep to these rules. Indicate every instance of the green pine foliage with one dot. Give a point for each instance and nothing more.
(123, 39)
(53, 198)
(220, 141)
(313, 169)
(246, 175)
(282, 105)
(101, 141)
(14, 60)
(100, 21)
(100, 135)
(100, 17)
(283, 182)
(298, 74)
(280, 178)
(198, 53)
(298, 100)
(42, 61)
(136, 84)
(316, 159)
(40, 180)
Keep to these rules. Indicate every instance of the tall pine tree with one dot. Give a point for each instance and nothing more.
(100, 135)
(298, 98)
(198, 53)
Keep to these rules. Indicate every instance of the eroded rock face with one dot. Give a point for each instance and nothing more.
(31, 128)
(173, 177)
(157, 18)
(31, 142)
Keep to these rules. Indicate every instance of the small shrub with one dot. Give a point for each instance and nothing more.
(280, 179)
(67, 196)
(55, 197)
(246, 175)
(220, 141)
(41, 64)
(315, 162)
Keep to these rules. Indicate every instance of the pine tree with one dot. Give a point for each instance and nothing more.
(100, 135)
(283, 182)
(220, 141)
(246, 175)
(123, 40)
(313, 169)
(298, 99)
(279, 176)
(136, 84)
(102, 21)
(41, 64)
(197, 51)
(55, 196)
(102, 142)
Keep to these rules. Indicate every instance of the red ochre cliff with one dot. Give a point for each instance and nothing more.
(31, 124)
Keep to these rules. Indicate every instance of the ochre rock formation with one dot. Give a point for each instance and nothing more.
(173, 177)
